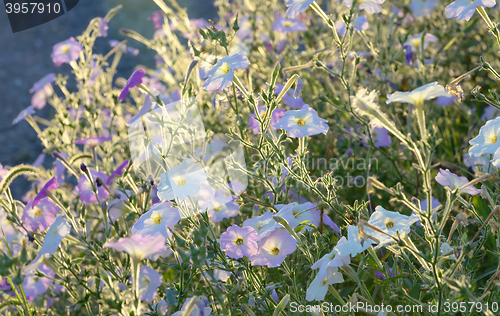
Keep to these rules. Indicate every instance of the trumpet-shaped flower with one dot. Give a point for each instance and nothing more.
(355, 243)
(34, 285)
(181, 181)
(223, 210)
(149, 282)
(370, 6)
(222, 73)
(422, 7)
(415, 42)
(303, 122)
(285, 25)
(487, 140)
(390, 223)
(66, 52)
(117, 206)
(157, 221)
(275, 117)
(141, 247)
(274, 248)
(40, 216)
(419, 95)
(464, 9)
(296, 7)
(57, 231)
(84, 188)
(46, 80)
(199, 307)
(319, 286)
(239, 241)
(135, 79)
(361, 24)
(333, 259)
(452, 181)
(263, 224)
(296, 214)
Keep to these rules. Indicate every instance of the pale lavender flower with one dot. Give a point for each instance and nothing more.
(263, 224)
(39, 160)
(124, 48)
(181, 181)
(222, 73)
(102, 27)
(24, 114)
(415, 42)
(475, 162)
(370, 6)
(39, 217)
(464, 9)
(423, 206)
(84, 188)
(6, 225)
(34, 286)
(446, 100)
(380, 134)
(274, 248)
(239, 241)
(296, 214)
(301, 123)
(117, 207)
(39, 99)
(135, 79)
(149, 282)
(65, 52)
(157, 18)
(46, 80)
(57, 231)
(361, 24)
(200, 307)
(141, 247)
(223, 210)
(296, 7)
(288, 98)
(452, 181)
(422, 7)
(275, 116)
(92, 141)
(285, 25)
(49, 185)
(157, 221)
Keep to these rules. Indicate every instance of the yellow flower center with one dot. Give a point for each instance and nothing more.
(416, 42)
(275, 251)
(65, 49)
(181, 181)
(217, 208)
(288, 24)
(301, 122)
(38, 212)
(156, 217)
(224, 67)
(325, 281)
(389, 223)
(493, 139)
(239, 241)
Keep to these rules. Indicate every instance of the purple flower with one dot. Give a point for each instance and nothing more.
(47, 79)
(118, 171)
(422, 7)
(102, 27)
(301, 123)
(34, 285)
(221, 74)
(39, 99)
(380, 134)
(275, 116)
(50, 185)
(149, 281)
(39, 160)
(39, 217)
(141, 247)
(66, 52)
(464, 9)
(285, 25)
(452, 181)
(361, 24)
(157, 18)
(274, 248)
(84, 188)
(296, 7)
(446, 101)
(92, 141)
(124, 48)
(288, 98)
(135, 79)
(239, 241)
(24, 114)
(408, 54)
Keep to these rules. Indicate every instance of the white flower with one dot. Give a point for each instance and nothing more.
(481, 162)
(57, 231)
(419, 95)
(390, 223)
(181, 181)
(333, 259)
(370, 6)
(319, 286)
(487, 140)
(355, 243)
(445, 248)
(149, 281)
(157, 221)
(452, 181)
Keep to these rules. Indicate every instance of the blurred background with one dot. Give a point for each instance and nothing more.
(25, 58)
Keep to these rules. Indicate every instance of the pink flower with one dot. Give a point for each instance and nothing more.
(274, 248)
(65, 52)
(92, 141)
(141, 247)
(239, 241)
(40, 216)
